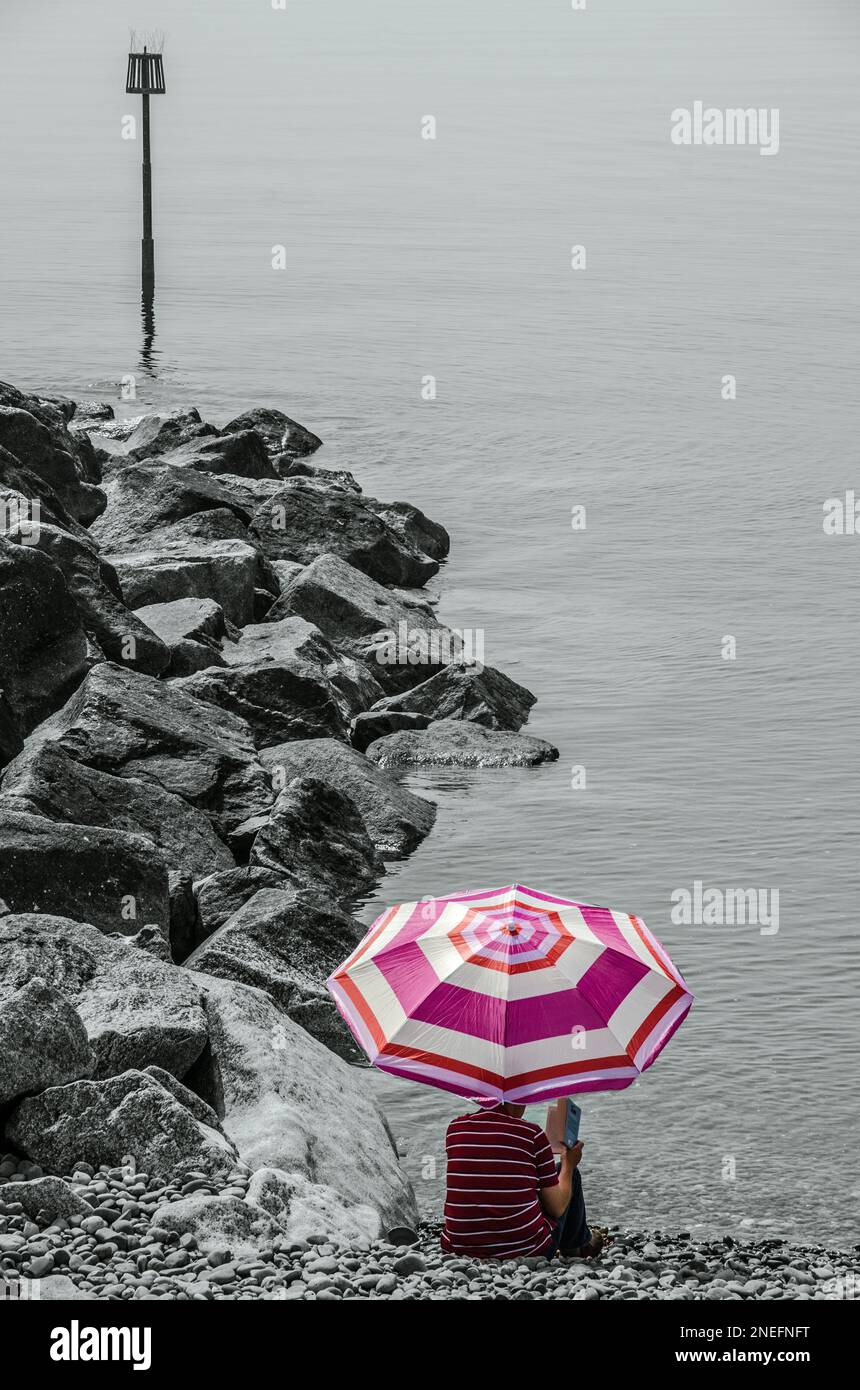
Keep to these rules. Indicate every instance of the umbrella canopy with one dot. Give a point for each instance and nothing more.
(511, 994)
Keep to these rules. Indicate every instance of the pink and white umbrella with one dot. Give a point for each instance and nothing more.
(511, 994)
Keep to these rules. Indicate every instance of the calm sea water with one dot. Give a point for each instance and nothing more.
(601, 387)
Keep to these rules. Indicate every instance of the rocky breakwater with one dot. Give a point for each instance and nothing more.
(212, 651)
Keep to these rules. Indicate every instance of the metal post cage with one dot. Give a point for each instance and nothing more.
(145, 73)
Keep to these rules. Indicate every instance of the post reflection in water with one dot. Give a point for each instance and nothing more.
(147, 314)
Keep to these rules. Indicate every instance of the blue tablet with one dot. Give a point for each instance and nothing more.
(571, 1126)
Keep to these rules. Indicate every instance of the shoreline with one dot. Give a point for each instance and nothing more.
(195, 735)
(134, 1255)
(227, 647)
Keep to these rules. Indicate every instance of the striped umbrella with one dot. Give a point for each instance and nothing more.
(511, 994)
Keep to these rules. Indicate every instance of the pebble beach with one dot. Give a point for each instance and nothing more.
(125, 1249)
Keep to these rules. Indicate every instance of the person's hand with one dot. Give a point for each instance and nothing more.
(570, 1157)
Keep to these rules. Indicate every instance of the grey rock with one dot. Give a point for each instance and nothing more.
(59, 1288)
(157, 434)
(137, 1010)
(57, 458)
(21, 490)
(372, 724)
(462, 691)
(289, 1103)
(218, 1220)
(304, 521)
(222, 569)
(220, 895)
(395, 819)
(106, 1121)
(284, 571)
(94, 873)
(414, 528)
(49, 1196)
(131, 725)
(280, 434)
(144, 500)
(396, 635)
(295, 639)
(188, 1098)
(312, 1210)
(149, 938)
(200, 619)
(287, 944)
(402, 1235)
(286, 681)
(43, 647)
(316, 838)
(43, 1042)
(241, 453)
(191, 629)
(90, 415)
(290, 467)
(44, 780)
(94, 586)
(455, 743)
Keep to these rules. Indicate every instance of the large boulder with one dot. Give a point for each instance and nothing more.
(315, 837)
(220, 895)
(223, 569)
(242, 454)
(134, 726)
(137, 1011)
(200, 619)
(220, 1221)
(146, 498)
(289, 1103)
(56, 414)
(89, 415)
(395, 819)
(158, 434)
(44, 780)
(458, 743)
(287, 944)
(397, 635)
(25, 496)
(286, 681)
(307, 1210)
(100, 1122)
(43, 1041)
(413, 527)
(373, 724)
(478, 693)
(44, 653)
(191, 629)
(278, 1206)
(294, 639)
(108, 877)
(59, 1288)
(290, 467)
(95, 588)
(45, 1197)
(304, 521)
(54, 456)
(280, 434)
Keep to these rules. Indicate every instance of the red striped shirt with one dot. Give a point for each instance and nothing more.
(496, 1166)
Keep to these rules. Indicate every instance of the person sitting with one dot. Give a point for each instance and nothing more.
(505, 1198)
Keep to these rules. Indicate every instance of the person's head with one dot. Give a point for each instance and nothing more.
(516, 1111)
